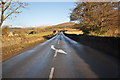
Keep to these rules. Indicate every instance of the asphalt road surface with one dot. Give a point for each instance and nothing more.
(61, 57)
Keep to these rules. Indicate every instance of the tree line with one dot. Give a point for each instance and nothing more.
(96, 17)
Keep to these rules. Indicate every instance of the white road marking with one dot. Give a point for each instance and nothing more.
(51, 73)
(61, 51)
(55, 53)
(57, 50)
(52, 46)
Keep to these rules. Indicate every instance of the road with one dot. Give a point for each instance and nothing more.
(61, 57)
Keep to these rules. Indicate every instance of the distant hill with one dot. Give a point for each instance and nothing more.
(65, 24)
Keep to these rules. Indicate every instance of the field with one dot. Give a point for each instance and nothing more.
(14, 45)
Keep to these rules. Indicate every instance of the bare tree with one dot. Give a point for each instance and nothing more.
(10, 7)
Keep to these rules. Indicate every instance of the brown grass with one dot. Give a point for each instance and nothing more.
(15, 45)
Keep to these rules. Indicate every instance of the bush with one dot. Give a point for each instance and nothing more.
(5, 30)
(85, 30)
(102, 32)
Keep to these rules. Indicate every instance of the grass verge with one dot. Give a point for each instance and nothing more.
(13, 46)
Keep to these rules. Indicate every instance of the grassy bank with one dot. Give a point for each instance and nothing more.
(14, 45)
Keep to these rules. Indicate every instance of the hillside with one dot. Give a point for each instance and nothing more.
(66, 24)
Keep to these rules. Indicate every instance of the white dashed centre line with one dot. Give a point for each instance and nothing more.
(51, 73)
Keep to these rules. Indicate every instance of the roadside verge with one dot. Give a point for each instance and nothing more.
(13, 46)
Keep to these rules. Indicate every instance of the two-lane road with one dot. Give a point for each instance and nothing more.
(60, 57)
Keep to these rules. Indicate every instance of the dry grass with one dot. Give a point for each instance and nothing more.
(73, 31)
(76, 32)
(12, 46)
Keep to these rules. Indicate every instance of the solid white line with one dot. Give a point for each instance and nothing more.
(55, 53)
(51, 73)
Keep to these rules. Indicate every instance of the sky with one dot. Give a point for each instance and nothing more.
(42, 14)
